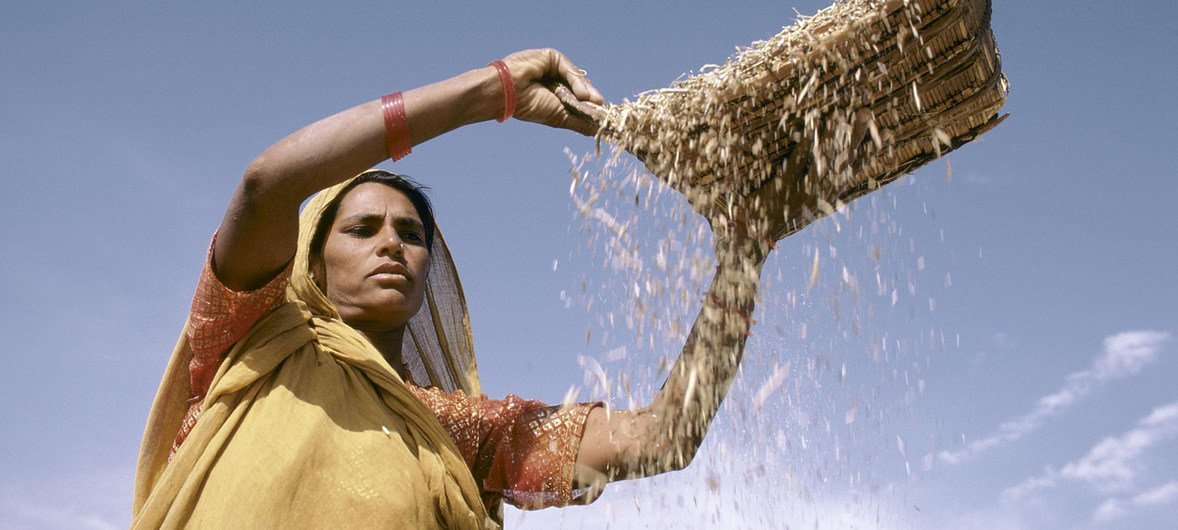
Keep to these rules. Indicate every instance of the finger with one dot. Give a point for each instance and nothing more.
(595, 96)
(585, 89)
(576, 78)
(580, 124)
(571, 103)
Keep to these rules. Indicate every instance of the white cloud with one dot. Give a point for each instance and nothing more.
(1125, 354)
(1031, 485)
(1114, 508)
(1113, 465)
(1164, 494)
(1109, 509)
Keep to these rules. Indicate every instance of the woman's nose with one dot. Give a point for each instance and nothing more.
(391, 244)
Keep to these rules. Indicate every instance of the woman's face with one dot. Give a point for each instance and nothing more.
(375, 258)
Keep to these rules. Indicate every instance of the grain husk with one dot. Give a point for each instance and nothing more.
(873, 89)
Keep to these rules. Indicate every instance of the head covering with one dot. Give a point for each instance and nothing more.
(306, 424)
(438, 345)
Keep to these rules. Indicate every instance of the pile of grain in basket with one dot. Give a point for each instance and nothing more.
(918, 77)
(862, 93)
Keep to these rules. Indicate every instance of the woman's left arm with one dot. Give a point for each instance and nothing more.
(665, 435)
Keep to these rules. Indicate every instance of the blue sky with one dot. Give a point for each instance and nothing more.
(1020, 377)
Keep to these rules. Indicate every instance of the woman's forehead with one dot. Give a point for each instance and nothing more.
(376, 198)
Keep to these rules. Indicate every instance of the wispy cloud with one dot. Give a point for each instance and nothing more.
(1125, 354)
(1049, 479)
(1113, 465)
(1114, 508)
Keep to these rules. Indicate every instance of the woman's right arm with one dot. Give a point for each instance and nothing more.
(258, 234)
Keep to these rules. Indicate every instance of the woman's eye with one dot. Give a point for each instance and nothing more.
(359, 231)
(412, 237)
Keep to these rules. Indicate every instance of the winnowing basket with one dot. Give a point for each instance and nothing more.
(917, 78)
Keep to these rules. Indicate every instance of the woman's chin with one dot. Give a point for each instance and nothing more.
(385, 312)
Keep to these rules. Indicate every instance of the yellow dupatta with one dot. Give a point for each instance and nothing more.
(305, 424)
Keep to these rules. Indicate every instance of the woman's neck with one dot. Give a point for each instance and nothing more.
(388, 343)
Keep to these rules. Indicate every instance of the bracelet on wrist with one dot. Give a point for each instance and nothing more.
(508, 90)
(396, 126)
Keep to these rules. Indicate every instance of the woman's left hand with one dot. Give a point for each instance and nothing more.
(536, 74)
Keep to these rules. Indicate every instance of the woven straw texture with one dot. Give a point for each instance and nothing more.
(870, 89)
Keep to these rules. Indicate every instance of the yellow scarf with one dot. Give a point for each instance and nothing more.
(306, 425)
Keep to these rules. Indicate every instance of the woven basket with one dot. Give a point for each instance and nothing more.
(916, 78)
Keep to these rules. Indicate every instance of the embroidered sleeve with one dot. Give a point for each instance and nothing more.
(218, 319)
(518, 450)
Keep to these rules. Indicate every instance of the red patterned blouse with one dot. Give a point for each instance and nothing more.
(518, 450)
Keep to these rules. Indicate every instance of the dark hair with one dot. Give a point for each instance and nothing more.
(414, 191)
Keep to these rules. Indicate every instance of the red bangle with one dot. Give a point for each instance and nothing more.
(396, 128)
(508, 90)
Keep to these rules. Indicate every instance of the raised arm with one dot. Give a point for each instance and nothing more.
(257, 237)
(665, 435)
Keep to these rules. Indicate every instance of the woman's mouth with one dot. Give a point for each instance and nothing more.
(390, 272)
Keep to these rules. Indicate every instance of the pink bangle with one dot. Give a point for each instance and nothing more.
(508, 90)
(395, 126)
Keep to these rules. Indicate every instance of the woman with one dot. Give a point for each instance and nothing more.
(288, 400)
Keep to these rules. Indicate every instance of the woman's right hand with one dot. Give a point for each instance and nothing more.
(536, 74)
